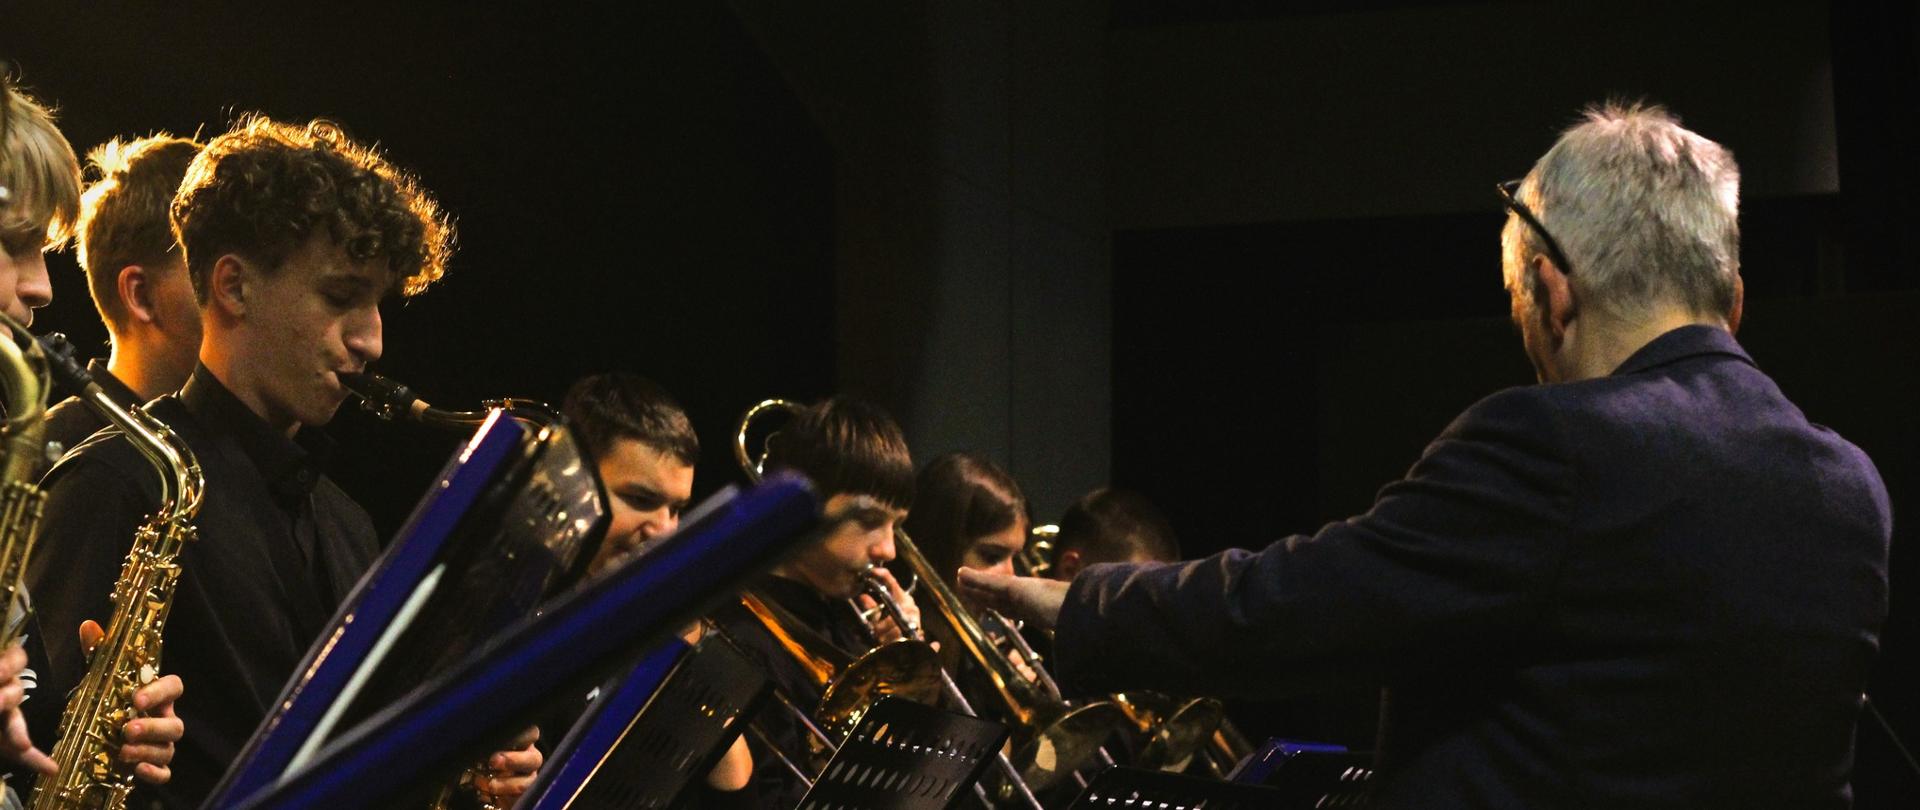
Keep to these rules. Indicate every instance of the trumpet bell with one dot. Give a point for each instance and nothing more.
(1066, 743)
(907, 669)
(1175, 729)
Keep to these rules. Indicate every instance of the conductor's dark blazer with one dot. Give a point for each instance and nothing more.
(1661, 588)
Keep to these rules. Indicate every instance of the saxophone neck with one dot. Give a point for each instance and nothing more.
(395, 402)
(182, 484)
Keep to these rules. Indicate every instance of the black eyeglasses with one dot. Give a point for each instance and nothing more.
(1509, 194)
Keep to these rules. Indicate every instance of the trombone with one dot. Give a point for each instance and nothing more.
(941, 682)
(1052, 739)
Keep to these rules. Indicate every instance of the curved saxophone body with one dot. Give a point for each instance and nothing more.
(23, 371)
(128, 655)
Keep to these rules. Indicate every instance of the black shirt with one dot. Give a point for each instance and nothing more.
(279, 547)
(71, 421)
(832, 620)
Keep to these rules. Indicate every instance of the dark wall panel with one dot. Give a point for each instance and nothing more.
(636, 188)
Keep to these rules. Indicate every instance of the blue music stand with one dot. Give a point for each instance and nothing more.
(512, 514)
(1309, 774)
(437, 729)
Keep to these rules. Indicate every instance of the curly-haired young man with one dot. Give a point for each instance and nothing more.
(293, 235)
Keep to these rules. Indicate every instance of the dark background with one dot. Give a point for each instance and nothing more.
(1239, 256)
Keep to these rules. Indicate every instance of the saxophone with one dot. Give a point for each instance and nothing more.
(23, 368)
(128, 655)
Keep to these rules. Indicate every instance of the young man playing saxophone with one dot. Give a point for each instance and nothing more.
(293, 235)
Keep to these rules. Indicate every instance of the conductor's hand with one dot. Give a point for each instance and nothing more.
(510, 773)
(1030, 598)
(14, 744)
(150, 739)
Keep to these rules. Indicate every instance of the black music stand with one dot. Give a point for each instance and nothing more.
(639, 748)
(906, 756)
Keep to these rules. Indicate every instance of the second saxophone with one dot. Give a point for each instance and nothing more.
(127, 657)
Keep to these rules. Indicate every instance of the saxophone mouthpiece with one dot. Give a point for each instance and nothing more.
(382, 397)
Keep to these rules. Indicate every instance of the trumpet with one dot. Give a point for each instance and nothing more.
(1053, 738)
(1173, 730)
(1035, 559)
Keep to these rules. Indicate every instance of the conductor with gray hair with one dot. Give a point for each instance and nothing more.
(1646, 582)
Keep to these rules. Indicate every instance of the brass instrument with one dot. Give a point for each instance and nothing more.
(907, 668)
(23, 368)
(850, 686)
(1035, 559)
(1226, 749)
(1052, 739)
(392, 401)
(127, 657)
(1172, 730)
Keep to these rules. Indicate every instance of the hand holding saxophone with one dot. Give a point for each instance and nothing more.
(149, 739)
(1031, 599)
(509, 773)
(14, 743)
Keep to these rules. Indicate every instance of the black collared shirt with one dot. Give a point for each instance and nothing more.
(279, 547)
(71, 421)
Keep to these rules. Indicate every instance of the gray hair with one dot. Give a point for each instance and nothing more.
(1646, 211)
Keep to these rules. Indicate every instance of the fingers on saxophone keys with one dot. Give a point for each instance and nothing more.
(155, 730)
(37, 760)
(160, 754)
(160, 694)
(514, 763)
(152, 774)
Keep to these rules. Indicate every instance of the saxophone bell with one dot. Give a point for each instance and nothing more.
(23, 367)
